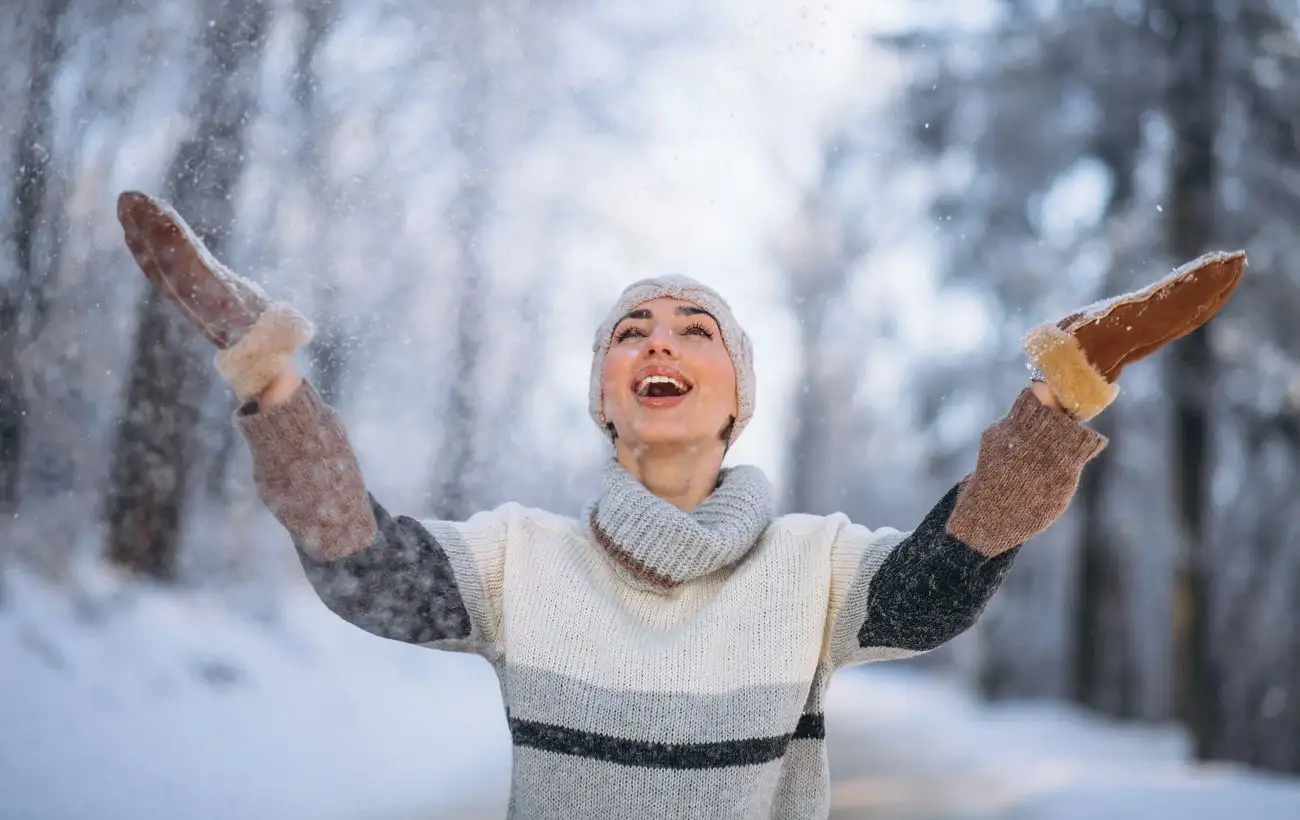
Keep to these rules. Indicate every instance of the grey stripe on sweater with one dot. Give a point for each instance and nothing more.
(549, 786)
(668, 717)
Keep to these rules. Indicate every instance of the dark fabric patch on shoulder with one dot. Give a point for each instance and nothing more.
(646, 754)
(931, 588)
(811, 727)
(400, 587)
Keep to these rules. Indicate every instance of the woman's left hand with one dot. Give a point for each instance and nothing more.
(1081, 356)
(1045, 396)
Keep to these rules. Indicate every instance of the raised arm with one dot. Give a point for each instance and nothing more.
(395, 577)
(389, 575)
(896, 594)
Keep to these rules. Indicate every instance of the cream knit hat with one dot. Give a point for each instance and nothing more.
(688, 290)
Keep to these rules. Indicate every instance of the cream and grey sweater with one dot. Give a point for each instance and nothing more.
(656, 664)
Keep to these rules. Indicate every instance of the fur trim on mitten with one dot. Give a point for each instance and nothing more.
(264, 351)
(1080, 388)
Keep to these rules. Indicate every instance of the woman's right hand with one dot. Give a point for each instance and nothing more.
(281, 388)
(256, 337)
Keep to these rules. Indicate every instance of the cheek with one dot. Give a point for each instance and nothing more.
(618, 362)
(617, 370)
(718, 379)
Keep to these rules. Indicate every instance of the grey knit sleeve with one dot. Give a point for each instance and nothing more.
(897, 594)
(389, 575)
(900, 594)
(401, 586)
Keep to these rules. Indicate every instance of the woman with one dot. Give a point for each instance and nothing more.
(666, 653)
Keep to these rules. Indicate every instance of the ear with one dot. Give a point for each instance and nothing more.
(725, 435)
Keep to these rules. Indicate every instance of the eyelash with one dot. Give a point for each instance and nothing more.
(694, 327)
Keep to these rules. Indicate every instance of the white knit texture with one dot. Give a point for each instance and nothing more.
(552, 610)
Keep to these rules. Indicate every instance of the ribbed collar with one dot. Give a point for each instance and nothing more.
(660, 545)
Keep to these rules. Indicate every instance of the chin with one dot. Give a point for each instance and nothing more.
(659, 436)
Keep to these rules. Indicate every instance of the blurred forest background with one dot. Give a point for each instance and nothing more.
(890, 197)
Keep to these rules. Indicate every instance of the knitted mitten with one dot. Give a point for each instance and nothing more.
(1081, 356)
(256, 336)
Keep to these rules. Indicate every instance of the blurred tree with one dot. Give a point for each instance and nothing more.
(1194, 103)
(1249, 556)
(818, 256)
(329, 349)
(468, 215)
(498, 58)
(25, 288)
(169, 373)
(1087, 76)
(319, 214)
(1180, 106)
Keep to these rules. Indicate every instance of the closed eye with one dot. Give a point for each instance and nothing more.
(698, 329)
(627, 333)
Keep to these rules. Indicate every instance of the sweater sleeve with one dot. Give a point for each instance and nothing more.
(897, 594)
(430, 583)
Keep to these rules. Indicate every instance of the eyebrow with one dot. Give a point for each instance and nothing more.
(692, 310)
(682, 310)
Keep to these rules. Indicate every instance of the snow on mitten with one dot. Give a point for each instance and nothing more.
(1081, 356)
(255, 336)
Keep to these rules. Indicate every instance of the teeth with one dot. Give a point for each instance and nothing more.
(644, 387)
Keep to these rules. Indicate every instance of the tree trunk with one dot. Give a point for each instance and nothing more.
(813, 453)
(1105, 677)
(24, 302)
(1193, 105)
(1104, 673)
(803, 459)
(328, 350)
(155, 447)
(821, 251)
(468, 214)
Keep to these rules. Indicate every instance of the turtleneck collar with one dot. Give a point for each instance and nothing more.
(661, 546)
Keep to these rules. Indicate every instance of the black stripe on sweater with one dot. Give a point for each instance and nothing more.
(931, 588)
(716, 755)
(811, 727)
(401, 586)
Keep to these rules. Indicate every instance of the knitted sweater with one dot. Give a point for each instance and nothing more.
(640, 679)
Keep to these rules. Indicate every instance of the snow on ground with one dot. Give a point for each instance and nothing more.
(128, 701)
(139, 703)
(905, 744)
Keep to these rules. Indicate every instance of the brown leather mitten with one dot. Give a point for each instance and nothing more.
(1081, 356)
(256, 336)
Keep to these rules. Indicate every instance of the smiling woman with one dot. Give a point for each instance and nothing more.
(667, 653)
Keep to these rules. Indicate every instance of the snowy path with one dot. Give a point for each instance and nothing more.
(122, 702)
(905, 746)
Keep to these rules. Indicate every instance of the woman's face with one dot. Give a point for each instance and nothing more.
(668, 378)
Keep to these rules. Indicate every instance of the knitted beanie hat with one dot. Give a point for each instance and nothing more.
(688, 290)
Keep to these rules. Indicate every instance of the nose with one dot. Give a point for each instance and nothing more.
(663, 341)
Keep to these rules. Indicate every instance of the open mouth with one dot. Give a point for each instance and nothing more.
(661, 384)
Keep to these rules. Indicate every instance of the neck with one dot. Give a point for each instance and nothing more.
(682, 476)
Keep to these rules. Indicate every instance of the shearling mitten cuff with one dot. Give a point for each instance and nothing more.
(1062, 364)
(1081, 356)
(264, 351)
